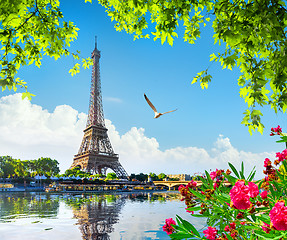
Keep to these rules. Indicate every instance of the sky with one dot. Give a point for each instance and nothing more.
(204, 133)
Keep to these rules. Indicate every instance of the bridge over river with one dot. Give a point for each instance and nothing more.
(173, 185)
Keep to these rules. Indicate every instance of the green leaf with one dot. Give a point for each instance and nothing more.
(197, 194)
(253, 217)
(87, 63)
(279, 190)
(264, 218)
(234, 170)
(251, 175)
(283, 139)
(188, 226)
(231, 179)
(263, 235)
(193, 209)
(242, 171)
(75, 69)
(170, 40)
(27, 95)
(180, 235)
(272, 192)
(229, 237)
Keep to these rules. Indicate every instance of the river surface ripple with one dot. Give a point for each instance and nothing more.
(53, 216)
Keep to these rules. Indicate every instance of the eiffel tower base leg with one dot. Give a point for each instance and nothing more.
(98, 164)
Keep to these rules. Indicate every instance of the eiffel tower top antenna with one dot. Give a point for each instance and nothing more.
(96, 42)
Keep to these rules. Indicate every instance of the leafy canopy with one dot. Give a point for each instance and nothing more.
(253, 33)
(10, 167)
(30, 29)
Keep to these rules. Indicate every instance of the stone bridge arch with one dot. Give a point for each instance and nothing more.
(173, 185)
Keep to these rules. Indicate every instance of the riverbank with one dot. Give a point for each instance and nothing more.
(70, 187)
(90, 187)
(9, 187)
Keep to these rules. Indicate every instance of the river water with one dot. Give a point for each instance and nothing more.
(127, 216)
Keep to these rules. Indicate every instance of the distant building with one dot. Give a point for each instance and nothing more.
(181, 177)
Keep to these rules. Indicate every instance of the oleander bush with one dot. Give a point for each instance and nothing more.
(235, 206)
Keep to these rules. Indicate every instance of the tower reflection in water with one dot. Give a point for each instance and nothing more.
(97, 214)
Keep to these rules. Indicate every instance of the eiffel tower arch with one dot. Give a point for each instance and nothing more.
(96, 154)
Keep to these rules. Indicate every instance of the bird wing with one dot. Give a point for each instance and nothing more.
(170, 111)
(149, 103)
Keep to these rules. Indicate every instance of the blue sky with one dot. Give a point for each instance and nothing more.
(131, 68)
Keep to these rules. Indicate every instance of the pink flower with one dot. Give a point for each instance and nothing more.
(278, 216)
(213, 174)
(215, 185)
(267, 162)
(241, 202)
(276, 131)
(227, 229)
(233, 235)
(210, 233)
(242, 223)
(239, 187)
(264, 194)
(266, 228)
(282, 156)
(253, 189)
(240, 195)
(180, 187)
(192, 183)
(167, 227)
(232, 225)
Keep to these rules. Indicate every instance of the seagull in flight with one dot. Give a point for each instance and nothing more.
(156, 114)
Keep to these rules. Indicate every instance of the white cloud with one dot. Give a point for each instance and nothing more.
(27, 131)
(113, 99)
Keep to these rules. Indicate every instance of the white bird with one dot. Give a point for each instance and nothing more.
(156, 114)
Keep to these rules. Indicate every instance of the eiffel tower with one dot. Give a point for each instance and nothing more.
(96, 154)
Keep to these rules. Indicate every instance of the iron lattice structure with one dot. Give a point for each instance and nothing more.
(96, 219)
(96, 154)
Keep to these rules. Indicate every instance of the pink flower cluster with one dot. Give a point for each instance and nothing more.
(184, 191)
(264, 194)
(267, 162)
(276, 131)
(282, 156)
(210, 233)
(167, 227)
(240, 194)
(269, 171)
(230, 228)
(278, 216)
(216, 173)
(192, 183)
